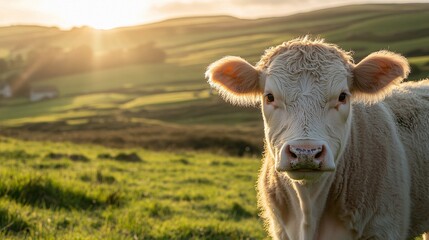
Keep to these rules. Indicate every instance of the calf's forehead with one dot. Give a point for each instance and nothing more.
(310, 70)
(304, 49)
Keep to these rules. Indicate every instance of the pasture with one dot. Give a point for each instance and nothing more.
(68, 191)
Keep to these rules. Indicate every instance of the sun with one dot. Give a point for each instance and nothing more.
(99, 14)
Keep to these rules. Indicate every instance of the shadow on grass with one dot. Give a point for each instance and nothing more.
(158, 210)
(45, 193)
(11, 223)
(73, 157)
(17, 155)
(122, 157)
(238, 212)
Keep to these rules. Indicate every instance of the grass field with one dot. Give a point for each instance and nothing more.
(67, 191)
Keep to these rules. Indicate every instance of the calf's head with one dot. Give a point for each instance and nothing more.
(305, 88)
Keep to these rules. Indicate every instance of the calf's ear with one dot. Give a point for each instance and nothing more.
(236, 80)
(377, 74)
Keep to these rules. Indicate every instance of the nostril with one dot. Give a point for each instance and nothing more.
(319, 154)
(290, 153)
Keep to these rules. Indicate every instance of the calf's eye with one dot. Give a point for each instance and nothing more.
(269, 98)
(342, 97)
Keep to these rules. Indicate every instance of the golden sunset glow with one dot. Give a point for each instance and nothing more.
(107, 14)
(100, 14)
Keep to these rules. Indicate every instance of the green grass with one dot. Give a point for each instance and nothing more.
(141, 77)
(48, 118)
(47, 194)
(164, 98)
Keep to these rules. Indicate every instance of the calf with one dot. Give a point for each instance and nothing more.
(346, 145)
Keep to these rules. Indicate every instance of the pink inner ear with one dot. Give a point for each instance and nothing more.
(384, 69)
(236, 76)
(378, 71)
(236, 80)
(383, 75)
(229, 79)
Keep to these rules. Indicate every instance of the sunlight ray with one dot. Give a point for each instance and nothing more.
(98, 14)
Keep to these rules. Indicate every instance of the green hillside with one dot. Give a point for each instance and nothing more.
(170, 100)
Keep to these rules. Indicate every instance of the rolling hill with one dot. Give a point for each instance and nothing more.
(168, 105)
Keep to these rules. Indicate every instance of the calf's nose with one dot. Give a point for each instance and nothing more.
(304, 152)
(305, 157)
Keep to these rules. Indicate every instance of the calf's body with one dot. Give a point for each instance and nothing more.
(409, 104)
(346, 144)
(379, 183)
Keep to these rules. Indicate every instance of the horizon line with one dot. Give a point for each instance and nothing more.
(189, 16)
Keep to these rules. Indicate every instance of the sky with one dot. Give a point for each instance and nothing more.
(107, 14)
